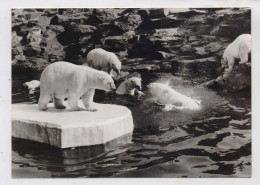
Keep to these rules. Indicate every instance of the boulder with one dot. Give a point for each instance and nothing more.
(52, 49)
(114, 43)
(235, 80)
(128, 22)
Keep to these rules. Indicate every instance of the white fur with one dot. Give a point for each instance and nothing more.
(103, 60)
(239, 49)
(32, 86)
(65, 80)
(165, 95)
(129, 86)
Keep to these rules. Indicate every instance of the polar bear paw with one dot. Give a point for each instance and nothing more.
(92, 109)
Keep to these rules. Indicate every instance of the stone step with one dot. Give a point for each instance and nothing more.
(65, 128)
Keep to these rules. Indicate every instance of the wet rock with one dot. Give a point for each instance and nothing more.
(128, 22)
(191, 12)
(74, 54)
(205, 67)
(59, 20)
(165, 22)
(16, 40)
(32, 50)
(114, 43)
(153, 13)
(35, 35)
(83, 29)
(17, 55)
(52, 49)
(106, 14)
(50, 12)
(235, 80)
(35, 64)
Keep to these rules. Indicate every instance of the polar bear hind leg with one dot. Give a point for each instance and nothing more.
(73, 103)
(87, 100)
(58, 103)
(243, 54)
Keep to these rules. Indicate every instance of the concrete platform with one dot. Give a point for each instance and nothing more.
(65, 129)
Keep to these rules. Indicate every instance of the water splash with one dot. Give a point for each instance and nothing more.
(163, 94)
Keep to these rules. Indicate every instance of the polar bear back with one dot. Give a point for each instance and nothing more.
(241, 44)
(101, 59)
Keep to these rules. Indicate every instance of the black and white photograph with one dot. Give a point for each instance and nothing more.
(131, 92)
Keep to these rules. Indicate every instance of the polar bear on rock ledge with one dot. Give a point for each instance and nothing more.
(240, 48)
(103, 60)
(62, 80)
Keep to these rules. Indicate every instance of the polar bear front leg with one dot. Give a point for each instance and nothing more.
(231, 62)
(45, 98)
(73, 103)
(87, 100)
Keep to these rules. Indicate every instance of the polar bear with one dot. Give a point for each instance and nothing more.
(32, 86)
(62, 80)
(130, 86)
(240, 48)
(103, 60)
(165, 95)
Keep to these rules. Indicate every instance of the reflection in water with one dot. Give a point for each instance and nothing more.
(212, 142)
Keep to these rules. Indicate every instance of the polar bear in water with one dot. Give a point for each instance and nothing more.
(165, 95)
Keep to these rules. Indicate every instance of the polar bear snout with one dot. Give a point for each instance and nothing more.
(112, 86)
(138, 87)
(117, 71)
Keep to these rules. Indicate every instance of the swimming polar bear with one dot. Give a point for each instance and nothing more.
(240, 48)
(165, 95)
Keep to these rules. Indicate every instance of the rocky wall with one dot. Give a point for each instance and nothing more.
(186, 42)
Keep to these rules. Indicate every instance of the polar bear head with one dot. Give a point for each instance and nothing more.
(134, 82)
(106, 82)
(115, 64)
(32, 86)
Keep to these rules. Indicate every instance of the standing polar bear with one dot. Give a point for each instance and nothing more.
(62, 80)
(130, 86)
(103, 60)
(238, 49)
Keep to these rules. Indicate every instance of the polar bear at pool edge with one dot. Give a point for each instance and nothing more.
(103, 60)
(62, 80)
(240, 48)
(130, 86)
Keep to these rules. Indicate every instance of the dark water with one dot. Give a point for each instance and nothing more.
(212, 142)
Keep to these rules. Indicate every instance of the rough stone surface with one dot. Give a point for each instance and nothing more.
(63, 128)
(168, 35)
